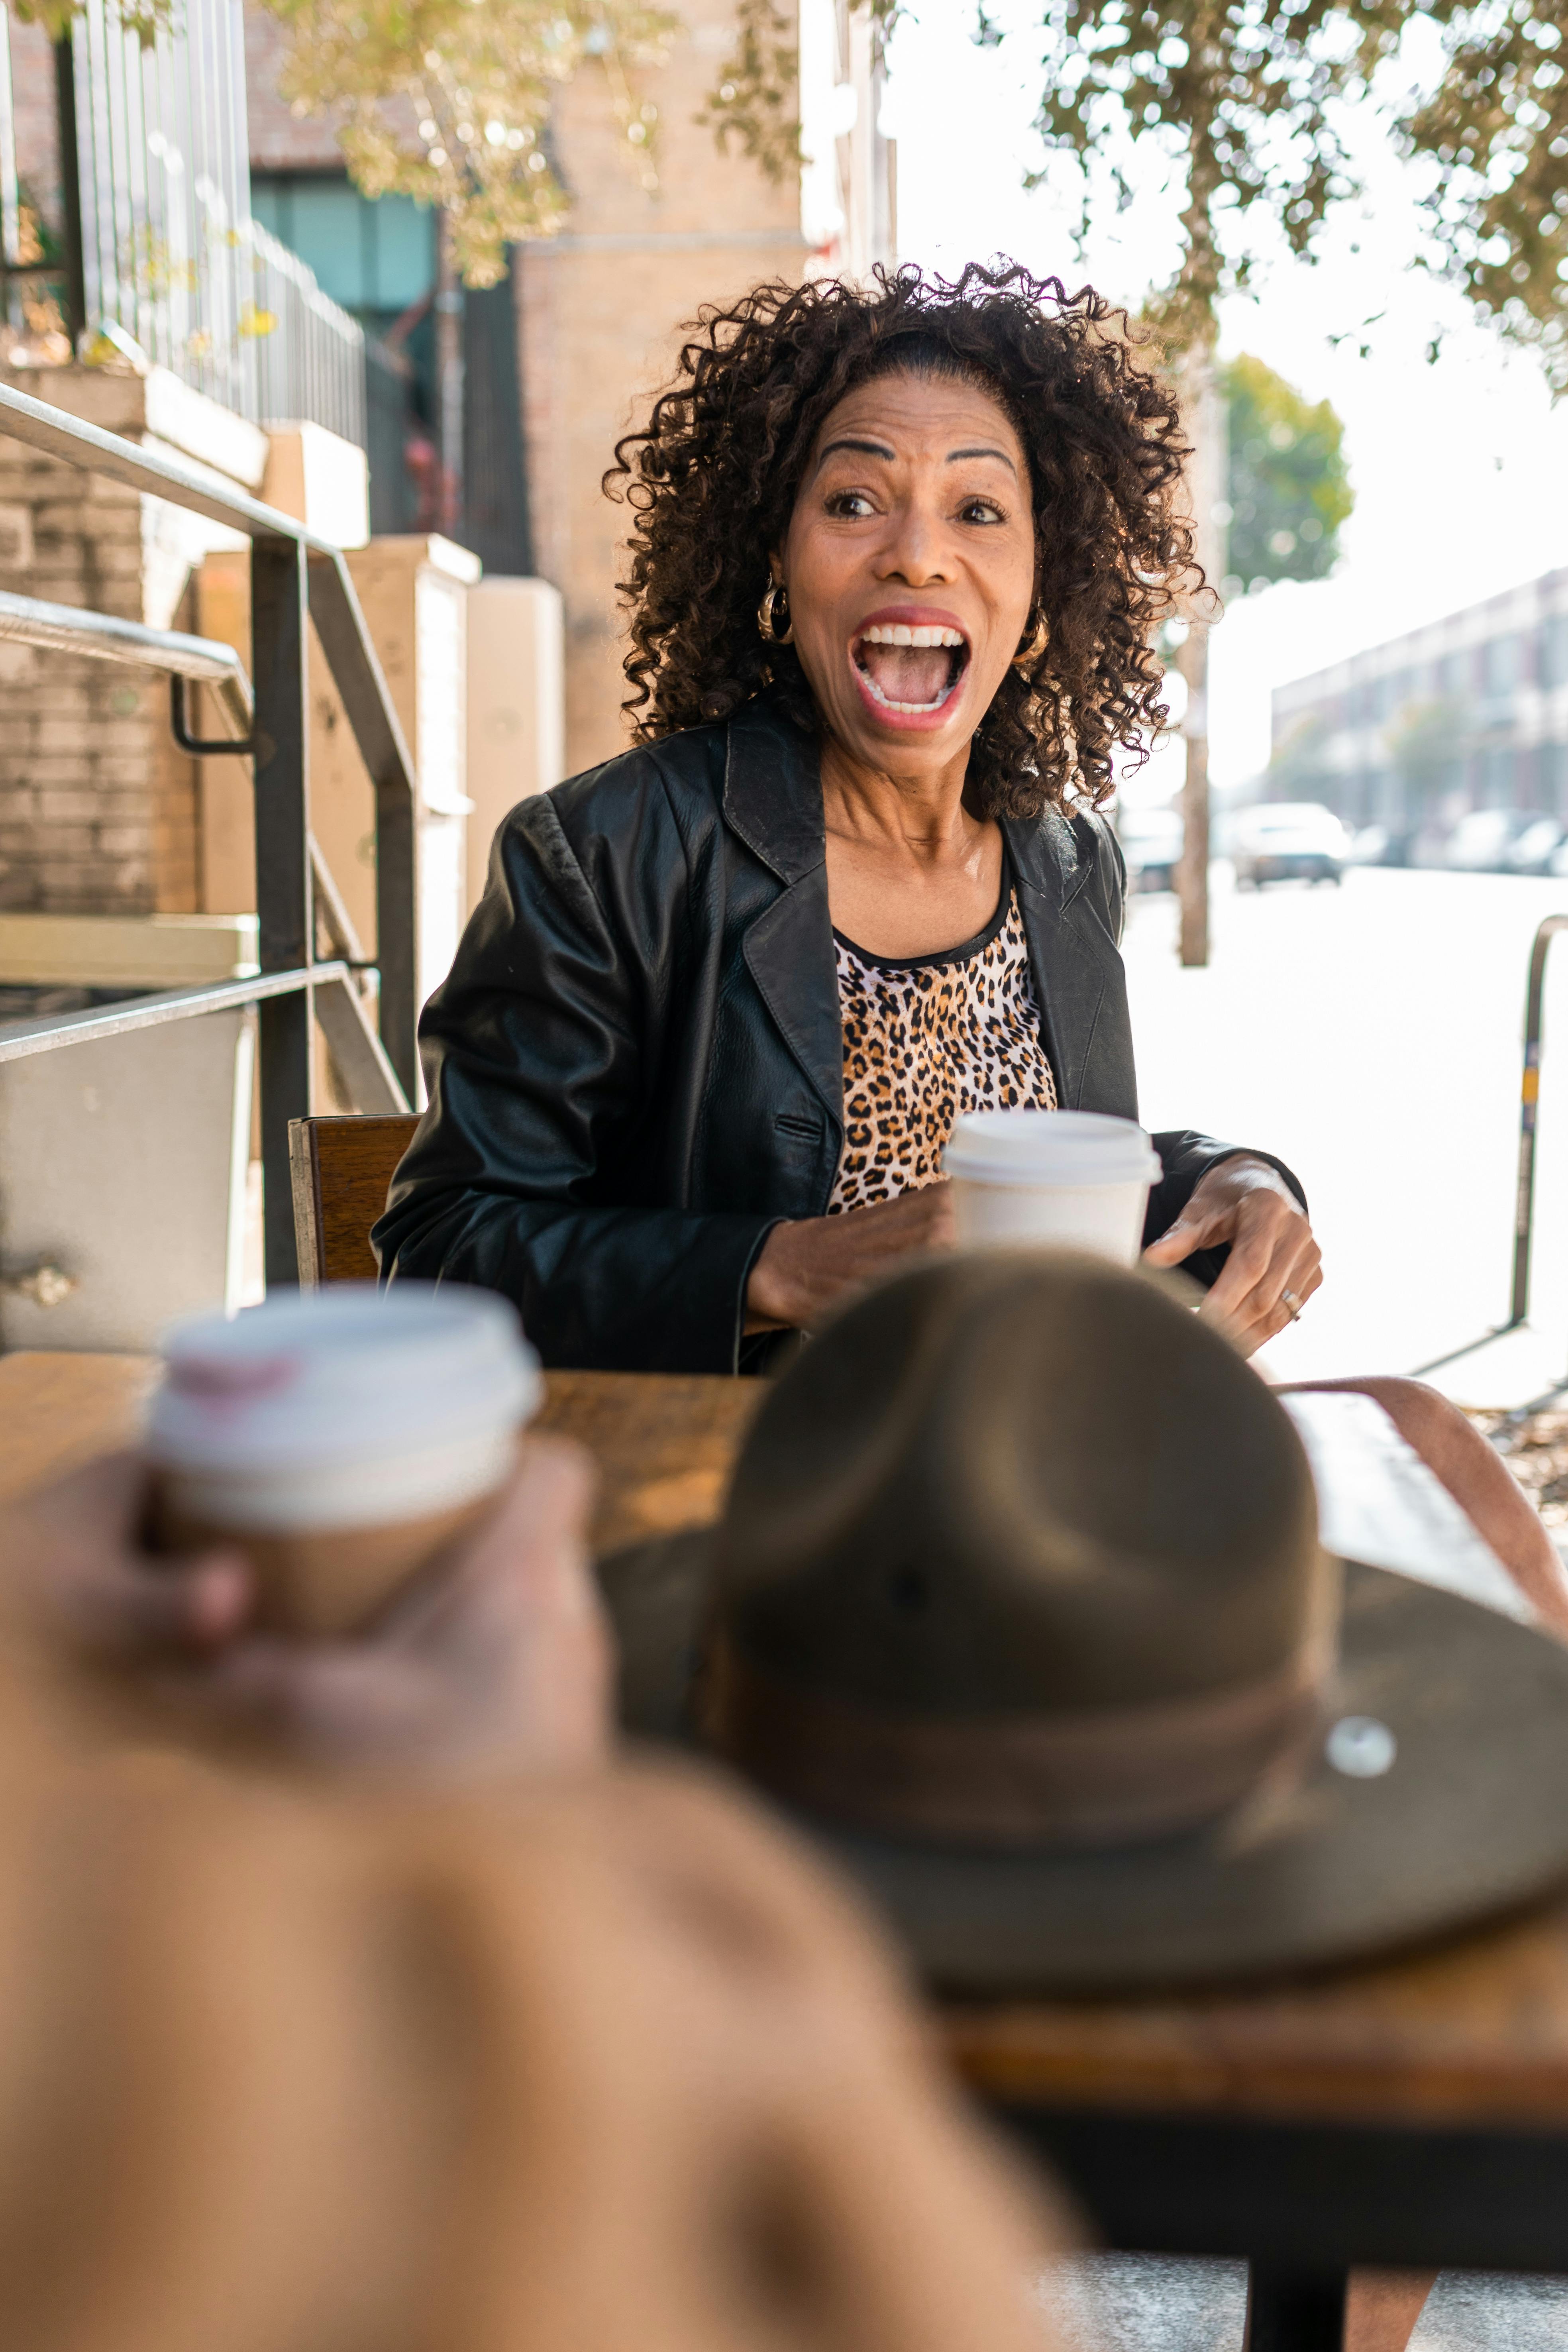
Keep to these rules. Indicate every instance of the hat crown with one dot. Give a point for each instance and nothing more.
(1017, 1482)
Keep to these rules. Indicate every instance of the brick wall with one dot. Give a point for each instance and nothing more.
(598, 319)
(280, 141)
(99, 810)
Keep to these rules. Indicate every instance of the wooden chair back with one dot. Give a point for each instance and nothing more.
(341, 1169)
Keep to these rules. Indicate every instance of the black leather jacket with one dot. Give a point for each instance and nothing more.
(634, 1065)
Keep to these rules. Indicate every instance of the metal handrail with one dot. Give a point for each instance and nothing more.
(198, 489)
(335, 605)
(21, 1039)
(297, 579)
(102, 637)
(1524, 1181)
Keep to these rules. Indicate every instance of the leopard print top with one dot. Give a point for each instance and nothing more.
(928, 1038)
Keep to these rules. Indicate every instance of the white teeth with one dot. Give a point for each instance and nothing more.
(898, 632)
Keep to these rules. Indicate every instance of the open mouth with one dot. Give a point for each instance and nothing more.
(910, 669)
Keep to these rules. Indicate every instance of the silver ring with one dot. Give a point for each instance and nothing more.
(1292, 1305)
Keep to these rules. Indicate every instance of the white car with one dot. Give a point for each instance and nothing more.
(1288, 841)
(1504, 841)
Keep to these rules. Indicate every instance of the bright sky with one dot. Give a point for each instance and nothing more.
(1459, 468)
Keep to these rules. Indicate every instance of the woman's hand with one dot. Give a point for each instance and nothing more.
(807, 1268)
(1248, 1204)
(496, 1660)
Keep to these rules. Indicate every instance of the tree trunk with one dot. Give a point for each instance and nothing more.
(1193, 873)
(1206, 469)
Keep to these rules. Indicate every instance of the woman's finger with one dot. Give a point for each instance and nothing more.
(1255, 1243)
(1188, 1233)
(1264, 1312)
(1295, 1264)
(1277, 1253)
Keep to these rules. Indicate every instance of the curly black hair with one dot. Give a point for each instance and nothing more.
(713, 475)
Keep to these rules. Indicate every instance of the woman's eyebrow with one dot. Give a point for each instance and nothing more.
(881, 449)
(982, 450)
(865, 448)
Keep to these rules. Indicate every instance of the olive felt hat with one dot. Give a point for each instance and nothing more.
(1017, 1599)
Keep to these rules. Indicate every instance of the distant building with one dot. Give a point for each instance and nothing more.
(1469, 712)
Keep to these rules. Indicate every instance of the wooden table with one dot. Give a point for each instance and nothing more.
(664, 1446)
(1415, 2114)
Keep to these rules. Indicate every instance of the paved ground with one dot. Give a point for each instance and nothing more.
(1370, 1035)
(1122, 2303)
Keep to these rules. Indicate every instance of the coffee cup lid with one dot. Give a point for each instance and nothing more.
(348, 1371)
(1050, 1147)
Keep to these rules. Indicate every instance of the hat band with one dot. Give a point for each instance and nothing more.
(1105, 1777)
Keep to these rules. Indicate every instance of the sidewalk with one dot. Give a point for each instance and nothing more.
(1371, 1037)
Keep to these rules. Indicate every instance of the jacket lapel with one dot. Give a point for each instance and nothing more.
(772, 800)
(1069, 978)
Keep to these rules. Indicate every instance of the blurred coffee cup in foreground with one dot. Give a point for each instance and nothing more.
(1072, 1179)
(338, 1438)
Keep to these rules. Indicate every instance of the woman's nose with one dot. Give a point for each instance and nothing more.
(918, 549)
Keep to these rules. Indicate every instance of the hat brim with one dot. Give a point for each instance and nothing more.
(1470, 1821)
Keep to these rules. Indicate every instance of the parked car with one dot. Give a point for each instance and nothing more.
(1288, 841)
(1533, 852)
(1151, 843)
(1380, 844)
(1503, 841)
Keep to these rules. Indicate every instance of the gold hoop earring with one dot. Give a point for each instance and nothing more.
(1027, 655)
(768, 627)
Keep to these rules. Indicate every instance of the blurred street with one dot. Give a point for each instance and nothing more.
(1370, 1035)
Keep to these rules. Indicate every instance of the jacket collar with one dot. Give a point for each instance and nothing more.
(772, 789)
(1053, 855)
(772, 800)
(1053, 859)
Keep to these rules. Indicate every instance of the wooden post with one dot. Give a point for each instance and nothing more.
(1193, 873)
(1207, 471)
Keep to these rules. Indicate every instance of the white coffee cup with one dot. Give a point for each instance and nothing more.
(1074, 1179)
(338, 1437)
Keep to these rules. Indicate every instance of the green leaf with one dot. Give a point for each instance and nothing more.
(1287, 485)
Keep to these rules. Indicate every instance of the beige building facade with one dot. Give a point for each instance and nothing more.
(601, 308)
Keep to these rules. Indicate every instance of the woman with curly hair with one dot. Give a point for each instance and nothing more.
(896, 555)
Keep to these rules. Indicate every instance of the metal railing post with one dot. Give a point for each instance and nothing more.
(279, 592)
(396, 932)
(70, 189)
(352, 659)
(1529, 1098)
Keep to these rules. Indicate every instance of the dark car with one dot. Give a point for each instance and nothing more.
(1289, 841)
